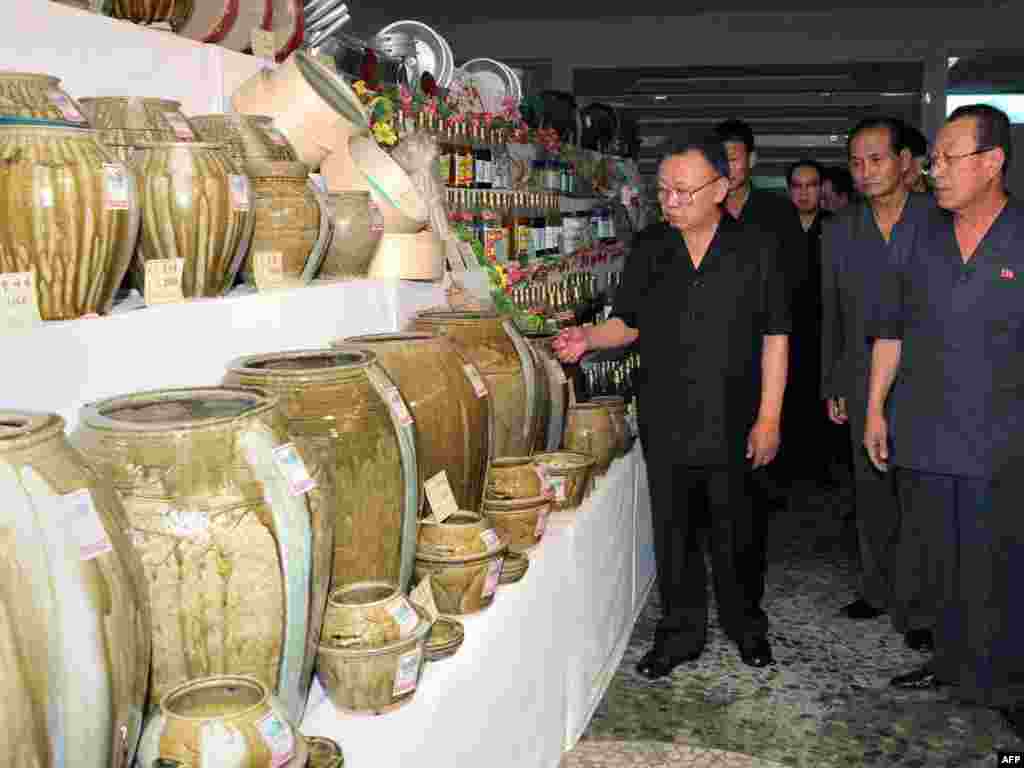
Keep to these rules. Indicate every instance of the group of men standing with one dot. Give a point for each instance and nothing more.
(901, 316)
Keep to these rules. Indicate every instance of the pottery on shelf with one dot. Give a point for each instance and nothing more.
(235, 561)
(74, 610)
(357, 232)
(513, 477)
(72, 217)
(557, 394)
(174, 13)
(566, 477)
(463, 557)
(590, 429)
(367, 614)
(245, 137)
(33, 98)
(197, 206)
(616, 406)
(519, 522)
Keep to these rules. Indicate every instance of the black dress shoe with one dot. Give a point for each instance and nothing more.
(860, 609)
(756, 652)
(657, 663)
(919, 680)
(920, 640)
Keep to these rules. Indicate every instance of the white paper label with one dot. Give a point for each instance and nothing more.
(180, 126)
(493, 576)
(407, 673)
(86, 526)
(490, 539)
(163, 281)
(542, 523)
(239, 191)
(19, 305)
(423, 596)
(405, 617)
(278, 737)
(439, 494)
(317, 178)
(475, 379)
(376, 218)
(66, 107)
(43, 196)
(115, 187)
(294, 469)
(397, 406)
(268, 269)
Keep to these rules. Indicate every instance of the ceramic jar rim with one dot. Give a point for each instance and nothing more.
(256, 168)
(516, 505)
(456, 315)
(33, 128)
(476, 559)
(504, 462)
(589, 407)
(377, 338)
(12, 75)
(248, 365)
(95, 415)
(125, 99)
(232, 117)
(214, 681)
(396, 646)
(147, 145)
(31, 429)
(334, 598)
(584, 460)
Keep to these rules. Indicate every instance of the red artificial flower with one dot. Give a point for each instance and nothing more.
(428, 84)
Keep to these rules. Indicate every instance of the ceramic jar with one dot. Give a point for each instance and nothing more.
(566, 477)
(352, 426)
(616, 406)
(502, 355)
(172, 12)
(197, 206)
(126, 122)
(72, 217)
(32, 98)
(74, 610)
(216, 500)
(520, 522)
(513, 477)
(449, 402)
(463, 557)
(367, 614)
(220, 721)
(311, 105)
(357, 232)
(589, 429)
(557, 393)
(291, 218)
(245, 137)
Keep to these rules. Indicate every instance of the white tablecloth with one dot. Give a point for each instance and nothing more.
(533, 666)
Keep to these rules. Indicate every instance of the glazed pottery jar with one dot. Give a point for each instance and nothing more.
(197, 206)
(29, 97)
(449, 402)
(557, 393)
(513, 477)
(222, 721)
(351, 424)
(217, 503)
(589, 429)
(617, 411)
(245, 137)
(172, 12)
(502, 355)
(463, 557)
(74, 610)
(291, 219)
(519, 522)
(127, 121)
(72, 217)
(566, 477)
(357, 232)
(367, 614)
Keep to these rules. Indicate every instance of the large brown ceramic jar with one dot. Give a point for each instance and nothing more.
(39, 98)
(349, 421)
(196, 206)
(231, 552)
(357, 232)
(453, 416)
(74, 610)
(616, 406)
(291, 219)
(245, 137)
(221, 721)
(502, 355)
(70, 214)
(589, 429)
(125, 122)
(172, 12)
(558, 393)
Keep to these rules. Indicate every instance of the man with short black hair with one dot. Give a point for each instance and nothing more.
(917, 144)
(951, 323)
(703, 296)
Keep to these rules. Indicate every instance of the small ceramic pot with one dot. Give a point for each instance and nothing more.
(617, 411)
(589, 429)
(566, 477)
(520, 522)
(245, 137)
(173, 12)
(36, 98)
(211, 722)
(357, 233)
(463, 535)
(324, 753)
(513, 477)
(367, 614)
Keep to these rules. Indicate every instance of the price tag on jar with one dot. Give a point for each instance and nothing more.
(423, 596)
(493, 577)
(439, 494)
(85, 525)
(19, 304)
(490, 539)
(163, 281)
(268, 269)
(66, 107)
(407, 672)
(180, 126)
(278, 737)
(319, 182)
(405, 616)
(475, 379)
(542, 523)
(397, 406)
(239, 191)
(116, 194)
(43, 195)
(291, 465)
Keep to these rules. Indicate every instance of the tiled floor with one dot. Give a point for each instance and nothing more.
(825, 703)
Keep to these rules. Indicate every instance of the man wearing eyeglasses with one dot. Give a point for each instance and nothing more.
(855, 256)
(703, 296)
(951, 322)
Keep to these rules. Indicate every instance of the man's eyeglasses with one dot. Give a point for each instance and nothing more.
(933, 161)
(684, 196)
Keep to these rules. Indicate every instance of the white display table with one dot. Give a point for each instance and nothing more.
(524, 684)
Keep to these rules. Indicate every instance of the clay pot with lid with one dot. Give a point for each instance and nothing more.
(220, 720)
(219, 513)
(74, 609)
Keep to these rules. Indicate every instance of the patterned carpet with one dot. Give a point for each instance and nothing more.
(825, 703)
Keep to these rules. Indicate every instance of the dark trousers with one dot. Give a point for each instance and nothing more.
(972, 552)
(679, 494)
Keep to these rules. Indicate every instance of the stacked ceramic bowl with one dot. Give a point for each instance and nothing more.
(516, 502)
(371, 648)
(445, 639)
(463, 556)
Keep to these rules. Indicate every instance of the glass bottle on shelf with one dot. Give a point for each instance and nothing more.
(524, 231)
(506, 246)
(446, 154)
(539, 225)
(464, 160)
